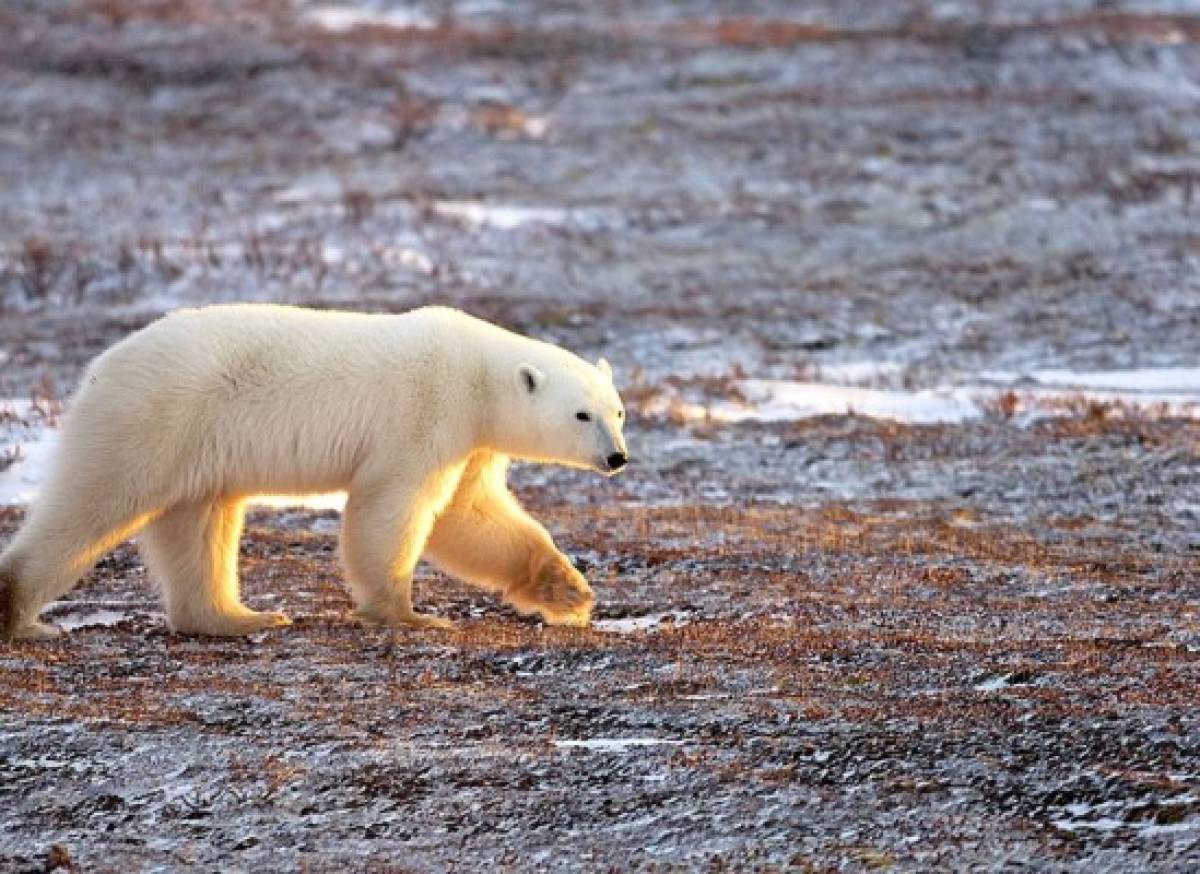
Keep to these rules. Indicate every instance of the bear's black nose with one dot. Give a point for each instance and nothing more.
(616, 461)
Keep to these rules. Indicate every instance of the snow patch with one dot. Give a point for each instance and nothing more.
(776, 400)
(1000, 682)
(90, 619)
(21, 482)
(28, 438)
(1152, 392)
(634, 624)
(1175, 380)
(509, 217)
(343, 19)
(768, 400)
(535, 127)
(405, 257)
(505, 218)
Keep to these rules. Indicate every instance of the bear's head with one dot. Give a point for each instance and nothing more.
(568, 412)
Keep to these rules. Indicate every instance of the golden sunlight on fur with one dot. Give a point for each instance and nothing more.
(414, 415)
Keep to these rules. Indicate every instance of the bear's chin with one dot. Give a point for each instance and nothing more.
(599, 467)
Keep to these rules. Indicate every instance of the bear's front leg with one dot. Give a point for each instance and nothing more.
(383, 535)
(486, 538)
(554, 589)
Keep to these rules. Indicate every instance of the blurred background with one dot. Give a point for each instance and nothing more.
(903, 299)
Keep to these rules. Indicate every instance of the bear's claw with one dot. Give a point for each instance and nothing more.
(427, 620)
(568, 620)
(557, 592)
(403, 620)
(232, 624)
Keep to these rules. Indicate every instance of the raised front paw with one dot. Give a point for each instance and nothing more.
(557, 592)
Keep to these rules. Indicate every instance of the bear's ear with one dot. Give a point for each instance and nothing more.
(530, 378)
(605, 368)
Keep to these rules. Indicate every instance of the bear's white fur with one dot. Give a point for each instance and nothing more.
(415, 416)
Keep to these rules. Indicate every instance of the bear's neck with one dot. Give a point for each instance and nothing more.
(498, 427)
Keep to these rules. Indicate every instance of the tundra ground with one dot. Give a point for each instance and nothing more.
(953, 625)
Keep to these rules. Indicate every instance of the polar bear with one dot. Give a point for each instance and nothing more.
(415, 416)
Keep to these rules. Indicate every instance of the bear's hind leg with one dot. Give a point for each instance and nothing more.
(58, 544)
(192, 549)
(18, 610)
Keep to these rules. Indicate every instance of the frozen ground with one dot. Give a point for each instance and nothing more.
(904, 300)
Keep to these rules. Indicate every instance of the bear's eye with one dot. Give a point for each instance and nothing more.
(620, 414)
(583, 416)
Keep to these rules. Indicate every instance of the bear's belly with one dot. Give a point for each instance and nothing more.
(266, 463)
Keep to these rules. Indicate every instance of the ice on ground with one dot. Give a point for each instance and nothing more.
(993, 684)
(89, 619)
(1175, 380)
(777, 400)
(768, 400)
(633, 624)
(614, 744)
(343, 19)
(1003, 681)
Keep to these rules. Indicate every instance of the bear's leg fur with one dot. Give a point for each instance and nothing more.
(486, 538)
(384, 530)
(59, 543)
(192, 550)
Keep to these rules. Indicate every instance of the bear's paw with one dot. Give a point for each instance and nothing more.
(555, 591)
